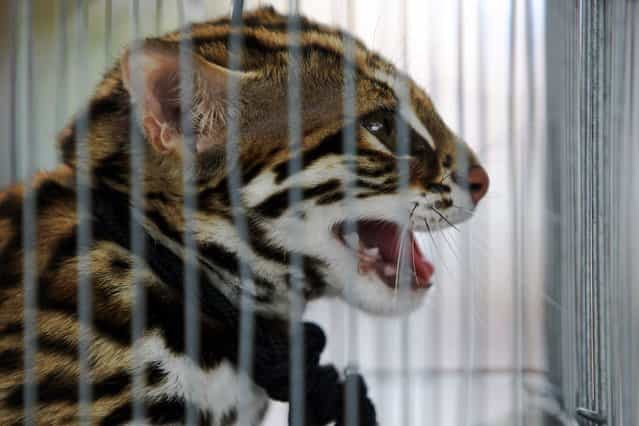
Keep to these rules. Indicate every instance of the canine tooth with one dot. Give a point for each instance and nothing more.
(352, 240)
(372, 252)
(390, 270)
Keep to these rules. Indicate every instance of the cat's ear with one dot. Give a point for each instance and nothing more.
(154, 74)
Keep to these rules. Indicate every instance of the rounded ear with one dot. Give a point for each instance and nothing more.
(155, 72)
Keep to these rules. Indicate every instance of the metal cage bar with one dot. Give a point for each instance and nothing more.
(349, 147)
(295, 135)
(29, 231)
(247, 320)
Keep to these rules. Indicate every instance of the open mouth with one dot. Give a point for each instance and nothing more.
(378, 246)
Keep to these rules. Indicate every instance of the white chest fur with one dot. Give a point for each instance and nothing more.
(216, 392)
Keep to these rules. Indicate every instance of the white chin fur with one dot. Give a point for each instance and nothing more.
(371, 295)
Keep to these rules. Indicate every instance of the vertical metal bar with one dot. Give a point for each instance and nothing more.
(633, 268)
(349, 148)
(189, 208)
(136, 213)
(61, 70)
(526, 166)
(594, 181)
(435, 380)
(632, 393)
(295, 134)
(625, 179)
(108, 27)
(159, 15)
(478, 280)
(13, 88)
(615, 316)
(555, 122)
(29, 231)
(570, 219)
(515, 211)
(84, 237)
(247, 308)
(531, 140)
(403, 151)
(336, 309)
(467, 306)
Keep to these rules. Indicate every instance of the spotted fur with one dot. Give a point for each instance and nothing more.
(329, 180)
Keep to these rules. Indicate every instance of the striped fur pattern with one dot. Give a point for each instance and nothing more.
(334, 186)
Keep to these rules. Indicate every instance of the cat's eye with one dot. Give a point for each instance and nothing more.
(381, 124)
(375, 126)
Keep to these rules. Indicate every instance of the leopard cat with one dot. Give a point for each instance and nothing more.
(346, 226)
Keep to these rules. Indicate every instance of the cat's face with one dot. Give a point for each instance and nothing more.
(363, 184)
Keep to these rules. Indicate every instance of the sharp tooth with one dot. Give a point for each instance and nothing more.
(352, 240)
(390, 270)
(372, 252)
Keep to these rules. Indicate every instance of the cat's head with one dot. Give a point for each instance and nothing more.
(375, 163)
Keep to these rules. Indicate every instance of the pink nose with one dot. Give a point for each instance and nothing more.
(478, 182)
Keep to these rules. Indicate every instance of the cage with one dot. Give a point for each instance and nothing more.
(534, 314)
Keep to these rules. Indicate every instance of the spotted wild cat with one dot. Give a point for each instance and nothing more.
(359, 266)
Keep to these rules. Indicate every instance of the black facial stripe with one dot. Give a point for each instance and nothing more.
(375, 186)
(275, 205)
(258, 242)
(375, 172)
(331, 198)
(419, 148)
(331, 145)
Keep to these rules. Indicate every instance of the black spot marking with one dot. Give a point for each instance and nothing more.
(13, 328)
(154, 374)
(374, 186)
(59, 387)
(10, 360)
